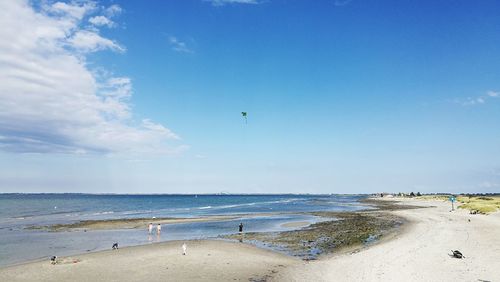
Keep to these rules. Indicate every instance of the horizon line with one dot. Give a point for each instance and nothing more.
(235, 194)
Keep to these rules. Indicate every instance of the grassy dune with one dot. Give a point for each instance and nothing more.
(480, 204)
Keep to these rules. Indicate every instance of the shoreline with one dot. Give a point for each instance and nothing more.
(237, 261)
(341, 232)
(421, 251)
(141, 223)
(418, 250)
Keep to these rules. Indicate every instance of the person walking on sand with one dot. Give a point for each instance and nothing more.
(241, 227)
(150, 228)
(158, 229)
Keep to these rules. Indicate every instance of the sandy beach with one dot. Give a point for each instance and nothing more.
(205, 261)
(419, 252)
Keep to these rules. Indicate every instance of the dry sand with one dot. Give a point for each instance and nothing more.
(420, 252)
(205, 261)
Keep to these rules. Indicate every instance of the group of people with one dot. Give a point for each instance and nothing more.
(53, 259)
(158, 228)
(184, 246)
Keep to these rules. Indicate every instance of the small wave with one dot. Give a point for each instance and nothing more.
(137, 212)
(58, 213)
(229, 206)
(256, 203)
(175, 210)
(187, 209)
(24, 216)
(103, 213)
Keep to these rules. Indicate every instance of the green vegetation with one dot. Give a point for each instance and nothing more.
(474, 203)
(348, 230)
(479, 204)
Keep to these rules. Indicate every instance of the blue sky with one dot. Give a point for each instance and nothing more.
(342, 96)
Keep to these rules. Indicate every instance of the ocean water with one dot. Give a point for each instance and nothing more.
(259, 213)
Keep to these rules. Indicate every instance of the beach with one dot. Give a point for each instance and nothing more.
(419, 251)
(37, 226)
(205, 261)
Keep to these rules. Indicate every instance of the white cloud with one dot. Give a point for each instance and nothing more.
(106, 19)
(91, 41)
(71, 10)
(471, 101)
(493, 94)
(101, 21)
(179, 46)
(224, 2)
(50, 101)
(113, 10)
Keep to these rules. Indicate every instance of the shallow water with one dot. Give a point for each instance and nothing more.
(18, 211)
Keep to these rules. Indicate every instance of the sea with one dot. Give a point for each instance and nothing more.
(259, 213)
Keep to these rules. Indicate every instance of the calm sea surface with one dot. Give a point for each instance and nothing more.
(18, 211)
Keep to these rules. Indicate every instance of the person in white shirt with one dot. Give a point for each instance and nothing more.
(158, 229)
(184, 248)
(150, 228)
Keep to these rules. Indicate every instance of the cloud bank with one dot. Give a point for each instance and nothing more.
(51, 101)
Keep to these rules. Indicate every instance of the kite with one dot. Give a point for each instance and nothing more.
(244, 115)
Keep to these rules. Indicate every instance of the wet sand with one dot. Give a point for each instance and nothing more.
(339, 232)
(296, 224)
(126, 223)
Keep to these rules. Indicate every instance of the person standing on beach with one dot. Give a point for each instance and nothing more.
(150, 228)
(158, 229)
(241, 227)
(184, 249)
